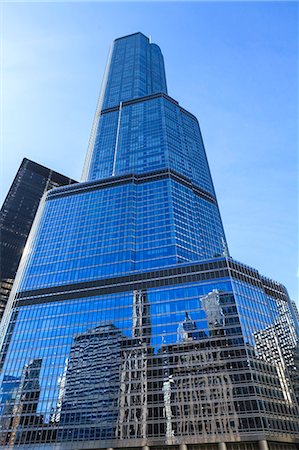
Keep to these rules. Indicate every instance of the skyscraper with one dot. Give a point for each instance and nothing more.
(17, 215)
(147, 333)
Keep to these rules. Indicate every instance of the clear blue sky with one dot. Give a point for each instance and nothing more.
(233, 65)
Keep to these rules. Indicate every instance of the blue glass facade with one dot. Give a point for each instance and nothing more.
(188, 349)
(130, 326)
(141, 223)
(136, 69)
(150, 134)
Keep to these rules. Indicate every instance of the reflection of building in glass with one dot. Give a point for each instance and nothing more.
(61, 382)
(184, 389)
(174, 392)
(21, 408)
(141, 327)
(187, 330)
(103, 391)
(153, 335)
(133, 393)
(90, 405)
(133, 404)
(211, 306)
(276, 345)
(198, 382)
(9, 389)
(202, 391)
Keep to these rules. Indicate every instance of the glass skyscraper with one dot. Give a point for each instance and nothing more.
(129, 325)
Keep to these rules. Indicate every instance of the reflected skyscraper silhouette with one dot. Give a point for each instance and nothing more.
(90, 403)
(134, 376)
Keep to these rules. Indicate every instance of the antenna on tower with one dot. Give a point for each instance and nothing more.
(150, 38)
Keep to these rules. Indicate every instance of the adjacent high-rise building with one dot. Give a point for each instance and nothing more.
(142, 330)
(17, 215)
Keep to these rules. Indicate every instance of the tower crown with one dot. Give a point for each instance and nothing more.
(135, 69)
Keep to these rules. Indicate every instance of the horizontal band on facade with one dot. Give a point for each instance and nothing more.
(206, 271)
(131, 178)
(145, 99)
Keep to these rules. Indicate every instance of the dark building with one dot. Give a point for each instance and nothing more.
(149, 335)
(17, 215)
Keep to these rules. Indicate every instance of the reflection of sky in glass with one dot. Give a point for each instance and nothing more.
(257, 310)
